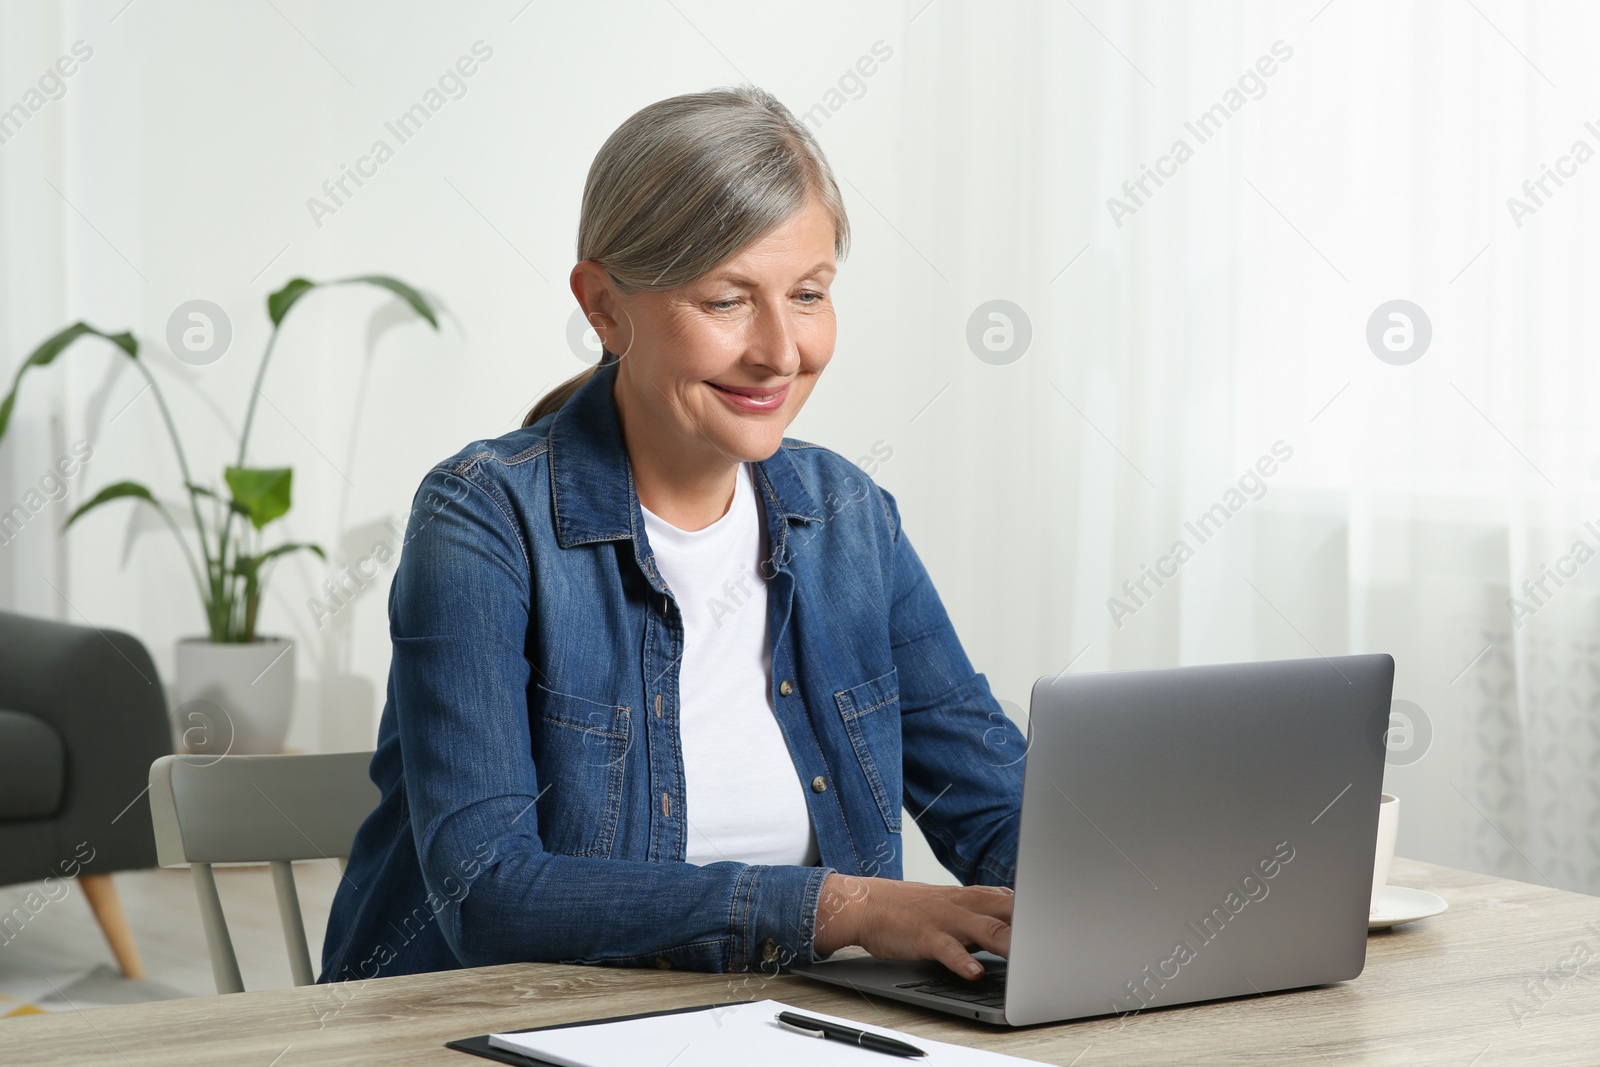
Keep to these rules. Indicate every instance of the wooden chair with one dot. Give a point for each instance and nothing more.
(257, 809)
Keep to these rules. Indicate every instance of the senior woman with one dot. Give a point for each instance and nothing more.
(663, 679)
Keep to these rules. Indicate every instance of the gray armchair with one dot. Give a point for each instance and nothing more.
(82, 717)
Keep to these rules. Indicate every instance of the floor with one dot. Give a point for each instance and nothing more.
(61, 942)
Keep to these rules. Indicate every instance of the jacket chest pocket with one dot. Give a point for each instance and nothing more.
(579, 750)
(871, 713)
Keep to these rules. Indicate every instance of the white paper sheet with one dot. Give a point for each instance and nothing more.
(744, 1035)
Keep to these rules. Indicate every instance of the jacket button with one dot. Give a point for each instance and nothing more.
(784, 688)
(769, 950)
(819, 784)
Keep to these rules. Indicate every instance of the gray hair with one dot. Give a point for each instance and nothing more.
(687, 182)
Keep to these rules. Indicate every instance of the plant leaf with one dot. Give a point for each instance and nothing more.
(400, 289)
(250, 566)
(46, 353)
(124, 341)
(279, 303)
(112, 492)
(293, 546)
(233, 505)
(262, 493)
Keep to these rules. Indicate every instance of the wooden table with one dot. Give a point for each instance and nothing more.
(1509, 975)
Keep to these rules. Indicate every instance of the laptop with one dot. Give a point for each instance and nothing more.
(1188, 834)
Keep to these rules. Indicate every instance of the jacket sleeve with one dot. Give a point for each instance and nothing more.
(459, 625)
(962, 757)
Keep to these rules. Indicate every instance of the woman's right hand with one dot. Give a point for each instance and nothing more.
(897, 920)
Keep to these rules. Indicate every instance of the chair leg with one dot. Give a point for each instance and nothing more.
(107, 908)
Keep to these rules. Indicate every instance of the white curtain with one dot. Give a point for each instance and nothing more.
(1343, 155)
(33, 265)
(1227, 314)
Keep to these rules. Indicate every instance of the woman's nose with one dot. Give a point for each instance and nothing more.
(771, 343)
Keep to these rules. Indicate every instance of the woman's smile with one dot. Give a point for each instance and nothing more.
(751, 398)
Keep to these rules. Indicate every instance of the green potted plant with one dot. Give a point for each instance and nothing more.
(248, 676)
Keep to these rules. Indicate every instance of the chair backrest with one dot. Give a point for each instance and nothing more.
(257, 809)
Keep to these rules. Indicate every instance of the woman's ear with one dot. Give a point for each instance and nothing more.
(596, 295)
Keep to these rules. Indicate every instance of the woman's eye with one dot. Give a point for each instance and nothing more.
(807, 296)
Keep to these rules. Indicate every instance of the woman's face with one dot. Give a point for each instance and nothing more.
(719, 367)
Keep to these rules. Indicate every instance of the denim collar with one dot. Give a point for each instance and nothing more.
(591, 480)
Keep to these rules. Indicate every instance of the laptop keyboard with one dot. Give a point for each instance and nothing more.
(986, 992)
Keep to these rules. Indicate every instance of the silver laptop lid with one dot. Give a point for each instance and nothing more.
(1196, 832)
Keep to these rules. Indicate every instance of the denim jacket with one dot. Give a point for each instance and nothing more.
(528, 755)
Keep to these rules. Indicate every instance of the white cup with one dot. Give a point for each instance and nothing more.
(1388, 827)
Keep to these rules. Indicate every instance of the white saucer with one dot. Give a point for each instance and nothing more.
(1397, 904)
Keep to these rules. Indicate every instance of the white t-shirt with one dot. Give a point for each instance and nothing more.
(743, 796)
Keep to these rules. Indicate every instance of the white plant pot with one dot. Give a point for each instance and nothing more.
(234, 699)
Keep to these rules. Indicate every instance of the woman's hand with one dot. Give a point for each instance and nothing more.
(897, 920)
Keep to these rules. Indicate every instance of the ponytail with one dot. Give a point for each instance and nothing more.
(557, 398)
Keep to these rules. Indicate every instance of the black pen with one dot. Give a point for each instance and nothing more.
(805, 1024)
